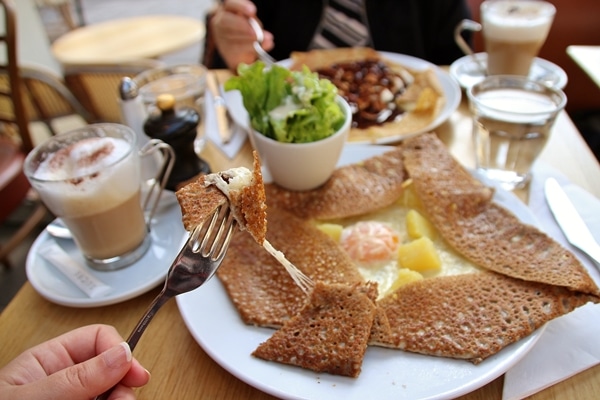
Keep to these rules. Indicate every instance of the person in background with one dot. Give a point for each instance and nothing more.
(81, 364)
(420, 28)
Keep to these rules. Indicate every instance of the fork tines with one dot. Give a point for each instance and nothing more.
(215, 242)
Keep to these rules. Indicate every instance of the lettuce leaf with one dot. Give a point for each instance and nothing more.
(288, 106)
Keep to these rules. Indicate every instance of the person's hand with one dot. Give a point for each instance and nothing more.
(233, 34)
(80, 364)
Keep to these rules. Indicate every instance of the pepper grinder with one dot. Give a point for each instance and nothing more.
(178, 128)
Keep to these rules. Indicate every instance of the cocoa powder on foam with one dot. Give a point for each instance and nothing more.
(59, 158)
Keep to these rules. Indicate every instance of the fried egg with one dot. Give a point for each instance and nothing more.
(372, 241)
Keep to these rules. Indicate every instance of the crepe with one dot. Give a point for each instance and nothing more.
(472, 316)
(262, 291)
(329, 334)
(490, 236)
(352, 190)
(422, 100)
(241, 189)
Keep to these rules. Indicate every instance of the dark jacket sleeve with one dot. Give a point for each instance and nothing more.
(420, 28)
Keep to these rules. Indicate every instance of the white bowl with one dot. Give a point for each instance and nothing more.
(302, 166)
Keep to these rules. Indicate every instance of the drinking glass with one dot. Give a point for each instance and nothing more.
(512, 120)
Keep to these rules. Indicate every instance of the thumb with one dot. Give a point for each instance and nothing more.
(90, 378)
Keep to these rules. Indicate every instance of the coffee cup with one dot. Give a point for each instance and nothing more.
(513, 33)
(90, 178)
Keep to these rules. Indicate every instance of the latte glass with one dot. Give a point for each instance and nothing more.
(513, 33)
(512, 120)
(91, 179)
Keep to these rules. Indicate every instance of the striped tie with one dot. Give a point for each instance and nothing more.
(343, 26)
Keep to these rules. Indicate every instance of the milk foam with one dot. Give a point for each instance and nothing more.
(89, 176)
(517, 21)
(82, 158)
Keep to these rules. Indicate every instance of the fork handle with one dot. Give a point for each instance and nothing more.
(141, 326)
(139, 329)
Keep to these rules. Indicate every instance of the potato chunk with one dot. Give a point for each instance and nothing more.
(418, 226)
(334, 231)
(419, 255)
(409, 197)
(405, 276)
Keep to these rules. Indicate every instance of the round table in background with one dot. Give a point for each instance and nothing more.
(128, 39)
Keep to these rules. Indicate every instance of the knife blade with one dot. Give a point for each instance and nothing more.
(220, 108)
(569, 220)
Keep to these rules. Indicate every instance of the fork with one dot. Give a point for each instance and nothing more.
(260, 36)
(195, 264)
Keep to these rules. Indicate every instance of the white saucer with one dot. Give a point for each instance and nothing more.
(467, 72)
(167, 235)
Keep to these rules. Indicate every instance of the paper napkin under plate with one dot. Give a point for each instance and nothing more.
(569, 344)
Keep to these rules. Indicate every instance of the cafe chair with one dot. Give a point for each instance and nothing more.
(64, 9)
(45, 99)
(96, 86)
(27, 95)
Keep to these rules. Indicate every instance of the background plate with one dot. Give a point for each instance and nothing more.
(452, 94)
(167, 236)
(392, 374)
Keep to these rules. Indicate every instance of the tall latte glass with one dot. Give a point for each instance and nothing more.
(90, 178)
(514, 32)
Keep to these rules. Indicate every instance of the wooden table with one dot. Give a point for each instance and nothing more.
(128, 39)
(182, 370)
(588, 58)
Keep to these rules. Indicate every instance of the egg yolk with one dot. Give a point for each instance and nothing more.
(369, 241)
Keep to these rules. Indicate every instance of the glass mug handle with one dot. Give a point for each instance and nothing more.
(469, 25)
(162, 176)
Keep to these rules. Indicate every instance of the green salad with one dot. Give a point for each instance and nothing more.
(288, 106)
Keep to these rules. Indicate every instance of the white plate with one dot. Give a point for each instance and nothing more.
(391, 374)
(452, 95)
(167, 236)
(467, 72)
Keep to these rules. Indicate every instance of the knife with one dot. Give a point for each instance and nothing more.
(569, 220)
(220, 108)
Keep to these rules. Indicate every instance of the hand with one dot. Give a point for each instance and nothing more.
(80, 364)
(233, 34)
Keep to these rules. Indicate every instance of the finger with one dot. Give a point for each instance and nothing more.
(86, 379)
(89, 341)
(66, 350)
(268, 43)
(122, 393)
(232, 27)
(136, 376)
(244, 8)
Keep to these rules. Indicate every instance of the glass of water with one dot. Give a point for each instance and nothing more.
(512, 120)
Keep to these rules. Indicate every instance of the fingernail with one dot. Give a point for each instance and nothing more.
(118, 355)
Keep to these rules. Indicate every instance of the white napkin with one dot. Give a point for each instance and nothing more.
(569, 344)
(88, 283)
(238, 133)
